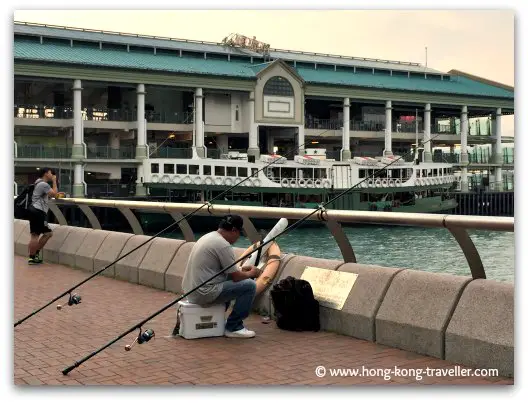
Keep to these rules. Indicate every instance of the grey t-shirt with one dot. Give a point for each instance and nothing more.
(40, 195)
(209, 256)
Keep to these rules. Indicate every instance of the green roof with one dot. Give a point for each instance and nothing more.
(119, 57)
(457, 84)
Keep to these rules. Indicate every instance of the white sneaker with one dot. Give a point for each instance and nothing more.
(242, 333)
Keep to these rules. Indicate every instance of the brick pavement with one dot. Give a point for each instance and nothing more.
(52, 340)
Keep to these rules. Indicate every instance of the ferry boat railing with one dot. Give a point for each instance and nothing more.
(172, 152)
(458, 226)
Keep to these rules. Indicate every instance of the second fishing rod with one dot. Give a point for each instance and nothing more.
(145, 336)
(75, 299)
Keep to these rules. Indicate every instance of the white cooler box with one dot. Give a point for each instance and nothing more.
(197, 321)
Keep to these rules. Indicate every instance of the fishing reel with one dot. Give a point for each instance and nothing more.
(74, 299)
(143, 337)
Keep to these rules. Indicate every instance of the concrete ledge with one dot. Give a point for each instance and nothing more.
(109, 251)
(481, 331)
(22, 238)
(295, 266)
(156, 262)
(84, 258)
(176, 269)
(416, 310)
(72, 243)
(52, 248)
(18, 227)
(357, 317)
(127, 268)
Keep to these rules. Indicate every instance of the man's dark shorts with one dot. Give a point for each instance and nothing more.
(38, 221)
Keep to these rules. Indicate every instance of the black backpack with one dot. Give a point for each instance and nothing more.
(295, 306)
(22, 203)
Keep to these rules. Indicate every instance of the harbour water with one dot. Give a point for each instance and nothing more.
(428, 249)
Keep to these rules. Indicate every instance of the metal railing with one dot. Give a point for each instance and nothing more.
(109, 115)
(39, 151)
(171, 152)
(107, 152)
(99, 114)
(43, 112)
(456, 225)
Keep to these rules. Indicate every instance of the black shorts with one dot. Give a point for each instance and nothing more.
(38, 221)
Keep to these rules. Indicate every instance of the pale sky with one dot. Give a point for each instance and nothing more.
(475, 41)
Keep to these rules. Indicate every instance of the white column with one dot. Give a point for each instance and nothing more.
(271, 143)
(428, 157)
(253, 128)
(78, 140)
(77, 115)
(301, 140)
(141, 148)
(388, 129)
(115, 140)
(222, 142)
(198, 123)
(345, 150)
(464, 124)
(497, 151)
(115, 143)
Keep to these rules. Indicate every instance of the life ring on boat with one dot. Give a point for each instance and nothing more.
(398, 182)
(155, 178)
(384, 183)
(318, 183)
(370, 183)
(269, 264)
(418, 182)
(197, 181)
(302, 183)
(378, 183)
(285, 183)
(256, 182)
(187, 180)
(165, 179)
(391, 183)
(293, 183)
(208, 180)
(218, 181)
(176, 179)
(327, 184)
(228, 182)
(309, 183)
(238, 180)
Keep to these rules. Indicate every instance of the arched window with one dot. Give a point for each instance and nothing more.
(278, 86)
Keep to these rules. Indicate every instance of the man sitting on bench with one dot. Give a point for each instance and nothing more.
(212, 253)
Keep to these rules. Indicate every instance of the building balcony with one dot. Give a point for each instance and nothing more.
(107, 152)
(99, 114)
(37, 151)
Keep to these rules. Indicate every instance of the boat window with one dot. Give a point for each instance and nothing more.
(181, 169)
(168, 168)
(220, 171)
(194, 170)
(362, 173)
(231, 171)
(154, 168)
(435, 172)
(320, 173)
(242, 172)
(254, 172)
(207, 170)
(418, 172)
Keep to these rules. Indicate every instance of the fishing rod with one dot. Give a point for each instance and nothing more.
(145, 336)
(75, 299)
